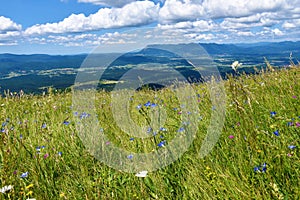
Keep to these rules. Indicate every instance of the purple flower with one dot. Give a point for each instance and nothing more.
(131, 139)
(294, 97)
(297, 124)
(21, 136)
(46, 155)
(276, 133)
(256, 169)
(130, 156)
(231, 136)
(66, 123)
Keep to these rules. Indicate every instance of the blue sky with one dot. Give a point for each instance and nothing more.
(79, 26)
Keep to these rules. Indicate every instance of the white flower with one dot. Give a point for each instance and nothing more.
(235, 65)
(6, 188)
(142, 174)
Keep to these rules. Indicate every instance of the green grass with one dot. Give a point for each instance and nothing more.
(226, 173)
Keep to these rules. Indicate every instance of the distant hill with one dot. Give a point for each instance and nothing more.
(32, 72)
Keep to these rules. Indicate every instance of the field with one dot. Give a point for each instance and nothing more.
(256, 156)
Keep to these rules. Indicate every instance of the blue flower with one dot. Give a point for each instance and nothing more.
(139, 106)
(273, 113)
(153, 105)
(180, 129)
(66, 123)
(44, 125)
(264, 167)
(276, 133)
(256, 169)
(147, 104)
(21, 136)
(130, 156)
(162, 129)
(131, 139)
(59, 153)
(161, 144)
(292, 147)
(24, 175)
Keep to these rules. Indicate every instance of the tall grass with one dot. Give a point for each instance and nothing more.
(254, 158)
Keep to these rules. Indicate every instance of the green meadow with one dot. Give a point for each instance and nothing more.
(256, 156)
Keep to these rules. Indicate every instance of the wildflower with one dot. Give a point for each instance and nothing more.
(66, 123)
(235, 65)
(142, 174)
(162, 129)
(290, 124)
(131, 139)
(273, 113)
(181, 129)
(149, 130)
(161, 144)
(264, 167)
(256, 169)
(84, 115)
(139, 106)
(24, 175)
(130, 156)
(276, 133)
(297, 124)
(153, 105)
(29, 186)
(294, 97)
(107, 143)
(6, 188)
(44, 125)
(4, 124)
(46, 155)
(59, 153)
(231, 136)
(147, 104)
(289, 155)
(292, 147)
(21, 136)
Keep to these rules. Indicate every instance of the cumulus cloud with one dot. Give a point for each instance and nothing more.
(177, 10)
(133, 14)
(7, 25)
(9, 31)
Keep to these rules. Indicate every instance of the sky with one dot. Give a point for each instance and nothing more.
(80, 26)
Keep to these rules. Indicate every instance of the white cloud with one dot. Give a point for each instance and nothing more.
(199, 25)
(177, 10)
(133, 14)
(9, 31)
(7, 25)
(113, 3)
(291, 24)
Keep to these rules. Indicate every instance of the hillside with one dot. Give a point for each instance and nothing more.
(257, 154)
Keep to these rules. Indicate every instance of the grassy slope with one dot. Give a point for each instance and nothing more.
(226, 173)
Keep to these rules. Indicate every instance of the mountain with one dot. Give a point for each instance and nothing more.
(33, 72)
